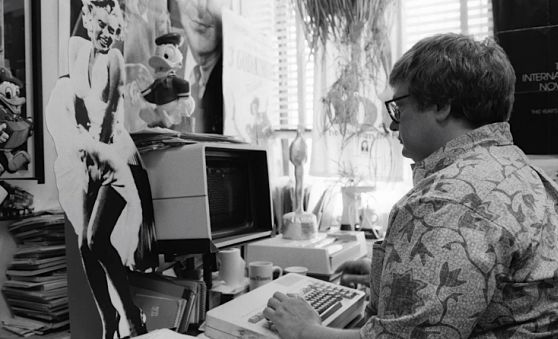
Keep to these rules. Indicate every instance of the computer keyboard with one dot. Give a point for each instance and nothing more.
(243, 317)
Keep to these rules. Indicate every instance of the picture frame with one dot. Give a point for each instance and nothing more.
(20, 57)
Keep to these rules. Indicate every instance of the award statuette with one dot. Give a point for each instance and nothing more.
(299, 225)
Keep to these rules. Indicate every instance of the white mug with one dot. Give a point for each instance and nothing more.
(231, 268)
(261, 272)
(296, 269)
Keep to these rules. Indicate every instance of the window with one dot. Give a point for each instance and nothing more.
(277, 18)
(294, 75)
(422, 18)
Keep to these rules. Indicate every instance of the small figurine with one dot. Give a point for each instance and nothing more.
(170, 93)
(299, 225)
(19, 129)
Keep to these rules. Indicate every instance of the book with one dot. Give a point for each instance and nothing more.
(40, 296)
(17, 272)
(40, 285)
(36, 263)
(200, 307)
(161, 312)
(39, 250)
(50, 276)
(50, 315)
(187, 314)
(53, 305)
(43, 220)
(166, 286)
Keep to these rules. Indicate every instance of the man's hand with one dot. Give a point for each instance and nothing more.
(355, 272)
(291, 315)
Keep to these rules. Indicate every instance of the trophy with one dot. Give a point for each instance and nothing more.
(299, 225)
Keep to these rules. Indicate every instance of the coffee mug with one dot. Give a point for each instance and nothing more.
(261, 272)
(296, 269)
(231, 266)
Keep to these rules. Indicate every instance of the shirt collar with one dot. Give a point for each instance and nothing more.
(207, 67)
(496, 134)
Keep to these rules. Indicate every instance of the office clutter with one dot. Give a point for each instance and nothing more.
(296, 269)
(262, 272)
(36, 288)
(164, 334)
(168, 302)
(17, 203)
(321, 255)
(231, 267)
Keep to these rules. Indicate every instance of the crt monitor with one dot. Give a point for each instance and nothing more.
(209, 195)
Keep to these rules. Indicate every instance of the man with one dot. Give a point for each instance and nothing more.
(472, 249)
(202, 25)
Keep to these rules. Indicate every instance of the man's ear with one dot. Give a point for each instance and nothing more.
(442, 112)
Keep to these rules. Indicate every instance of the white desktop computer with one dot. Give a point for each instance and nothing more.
(321, 255)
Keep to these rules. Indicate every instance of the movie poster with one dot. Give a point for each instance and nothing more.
(21, 152)
(248, 66)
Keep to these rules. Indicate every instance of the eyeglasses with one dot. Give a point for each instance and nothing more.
(393, 109)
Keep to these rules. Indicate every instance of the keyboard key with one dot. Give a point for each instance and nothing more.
(255, 318)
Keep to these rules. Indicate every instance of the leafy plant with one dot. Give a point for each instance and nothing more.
(359, 30)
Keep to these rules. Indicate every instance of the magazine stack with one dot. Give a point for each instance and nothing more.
(36, 287)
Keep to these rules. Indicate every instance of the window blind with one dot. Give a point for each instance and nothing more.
(277, 18)
(422, 18)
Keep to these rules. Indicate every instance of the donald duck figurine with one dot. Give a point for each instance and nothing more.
(169, 93)
(18, 129)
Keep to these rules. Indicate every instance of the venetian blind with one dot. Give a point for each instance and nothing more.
(422, 18)
(277, 18)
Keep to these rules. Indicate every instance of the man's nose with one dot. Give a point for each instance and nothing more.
(394, 126)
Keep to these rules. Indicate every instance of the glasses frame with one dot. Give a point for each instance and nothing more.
(393, 109)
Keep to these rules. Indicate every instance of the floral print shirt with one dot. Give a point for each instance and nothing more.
(472, 249)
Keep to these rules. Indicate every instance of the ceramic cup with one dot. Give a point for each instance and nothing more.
(296, 269)
(231, 266)
(261, 272)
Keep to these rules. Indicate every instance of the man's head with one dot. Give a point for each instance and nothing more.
(449, 84)
(202, 24)
(103, 20)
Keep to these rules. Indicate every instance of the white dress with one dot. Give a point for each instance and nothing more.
(70, 171)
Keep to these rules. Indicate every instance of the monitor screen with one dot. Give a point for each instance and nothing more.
(229, 195)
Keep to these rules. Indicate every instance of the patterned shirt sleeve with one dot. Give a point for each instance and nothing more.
(439, 273)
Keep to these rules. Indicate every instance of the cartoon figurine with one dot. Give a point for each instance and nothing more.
(170, 93)
(17, 128)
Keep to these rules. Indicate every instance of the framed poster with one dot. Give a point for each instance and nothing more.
(21, 136)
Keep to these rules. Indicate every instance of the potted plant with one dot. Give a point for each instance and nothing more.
(358, 29)
(350, 125)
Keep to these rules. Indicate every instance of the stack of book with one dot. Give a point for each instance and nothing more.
(37, 285)
(169, 302)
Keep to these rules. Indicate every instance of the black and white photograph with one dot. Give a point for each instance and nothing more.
(222, 169)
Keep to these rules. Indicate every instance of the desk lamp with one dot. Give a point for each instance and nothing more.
(299, 225)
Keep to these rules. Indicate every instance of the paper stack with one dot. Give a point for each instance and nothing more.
(37, 285)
